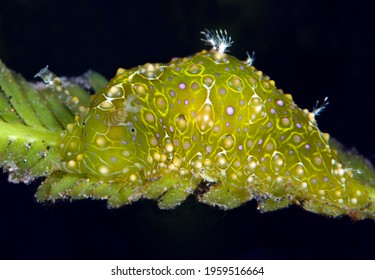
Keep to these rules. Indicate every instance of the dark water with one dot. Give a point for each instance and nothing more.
(312, 49)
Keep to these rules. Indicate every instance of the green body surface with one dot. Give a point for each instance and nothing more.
(208, 125)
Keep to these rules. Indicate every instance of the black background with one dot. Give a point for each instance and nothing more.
(312, 49)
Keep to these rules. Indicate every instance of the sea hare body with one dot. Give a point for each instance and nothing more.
(209, 125)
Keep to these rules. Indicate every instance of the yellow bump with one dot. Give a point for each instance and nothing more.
(181, 122)
(140, 89)
(325, 136)
(354, 200)
(207, 162)
(197, 163)
(150, 159)
(149, 117)
(233, 176)
(205, 118)
(163, 158)
(251, 165)
(125, 170)
(100, 141)
(177, 161)
(133, 177)
(120, 71)
(285, 121)
(172, 167)
(104, 170)
(279, 179)
(228, 142)
(220, 57)
(259, 73)
(311, 117)
(250, 179)
(73, 144)
(297, 138)
(151, 71)
(82, 109)
(70, 127)
(105, 105)
(153, 141)
(114, 91)
(299, 170)
(337, 193)
(138, 166)
(279, 162)
(209, 149)
(266, 84)
(221, 161)
(79, 157)
(72, 164)
(194, 69)
(161, 103)
(208, 81)
(256, 109)
(156, 156)
(169, 147)
(235, 83)
(318, 161)
(269, 146)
